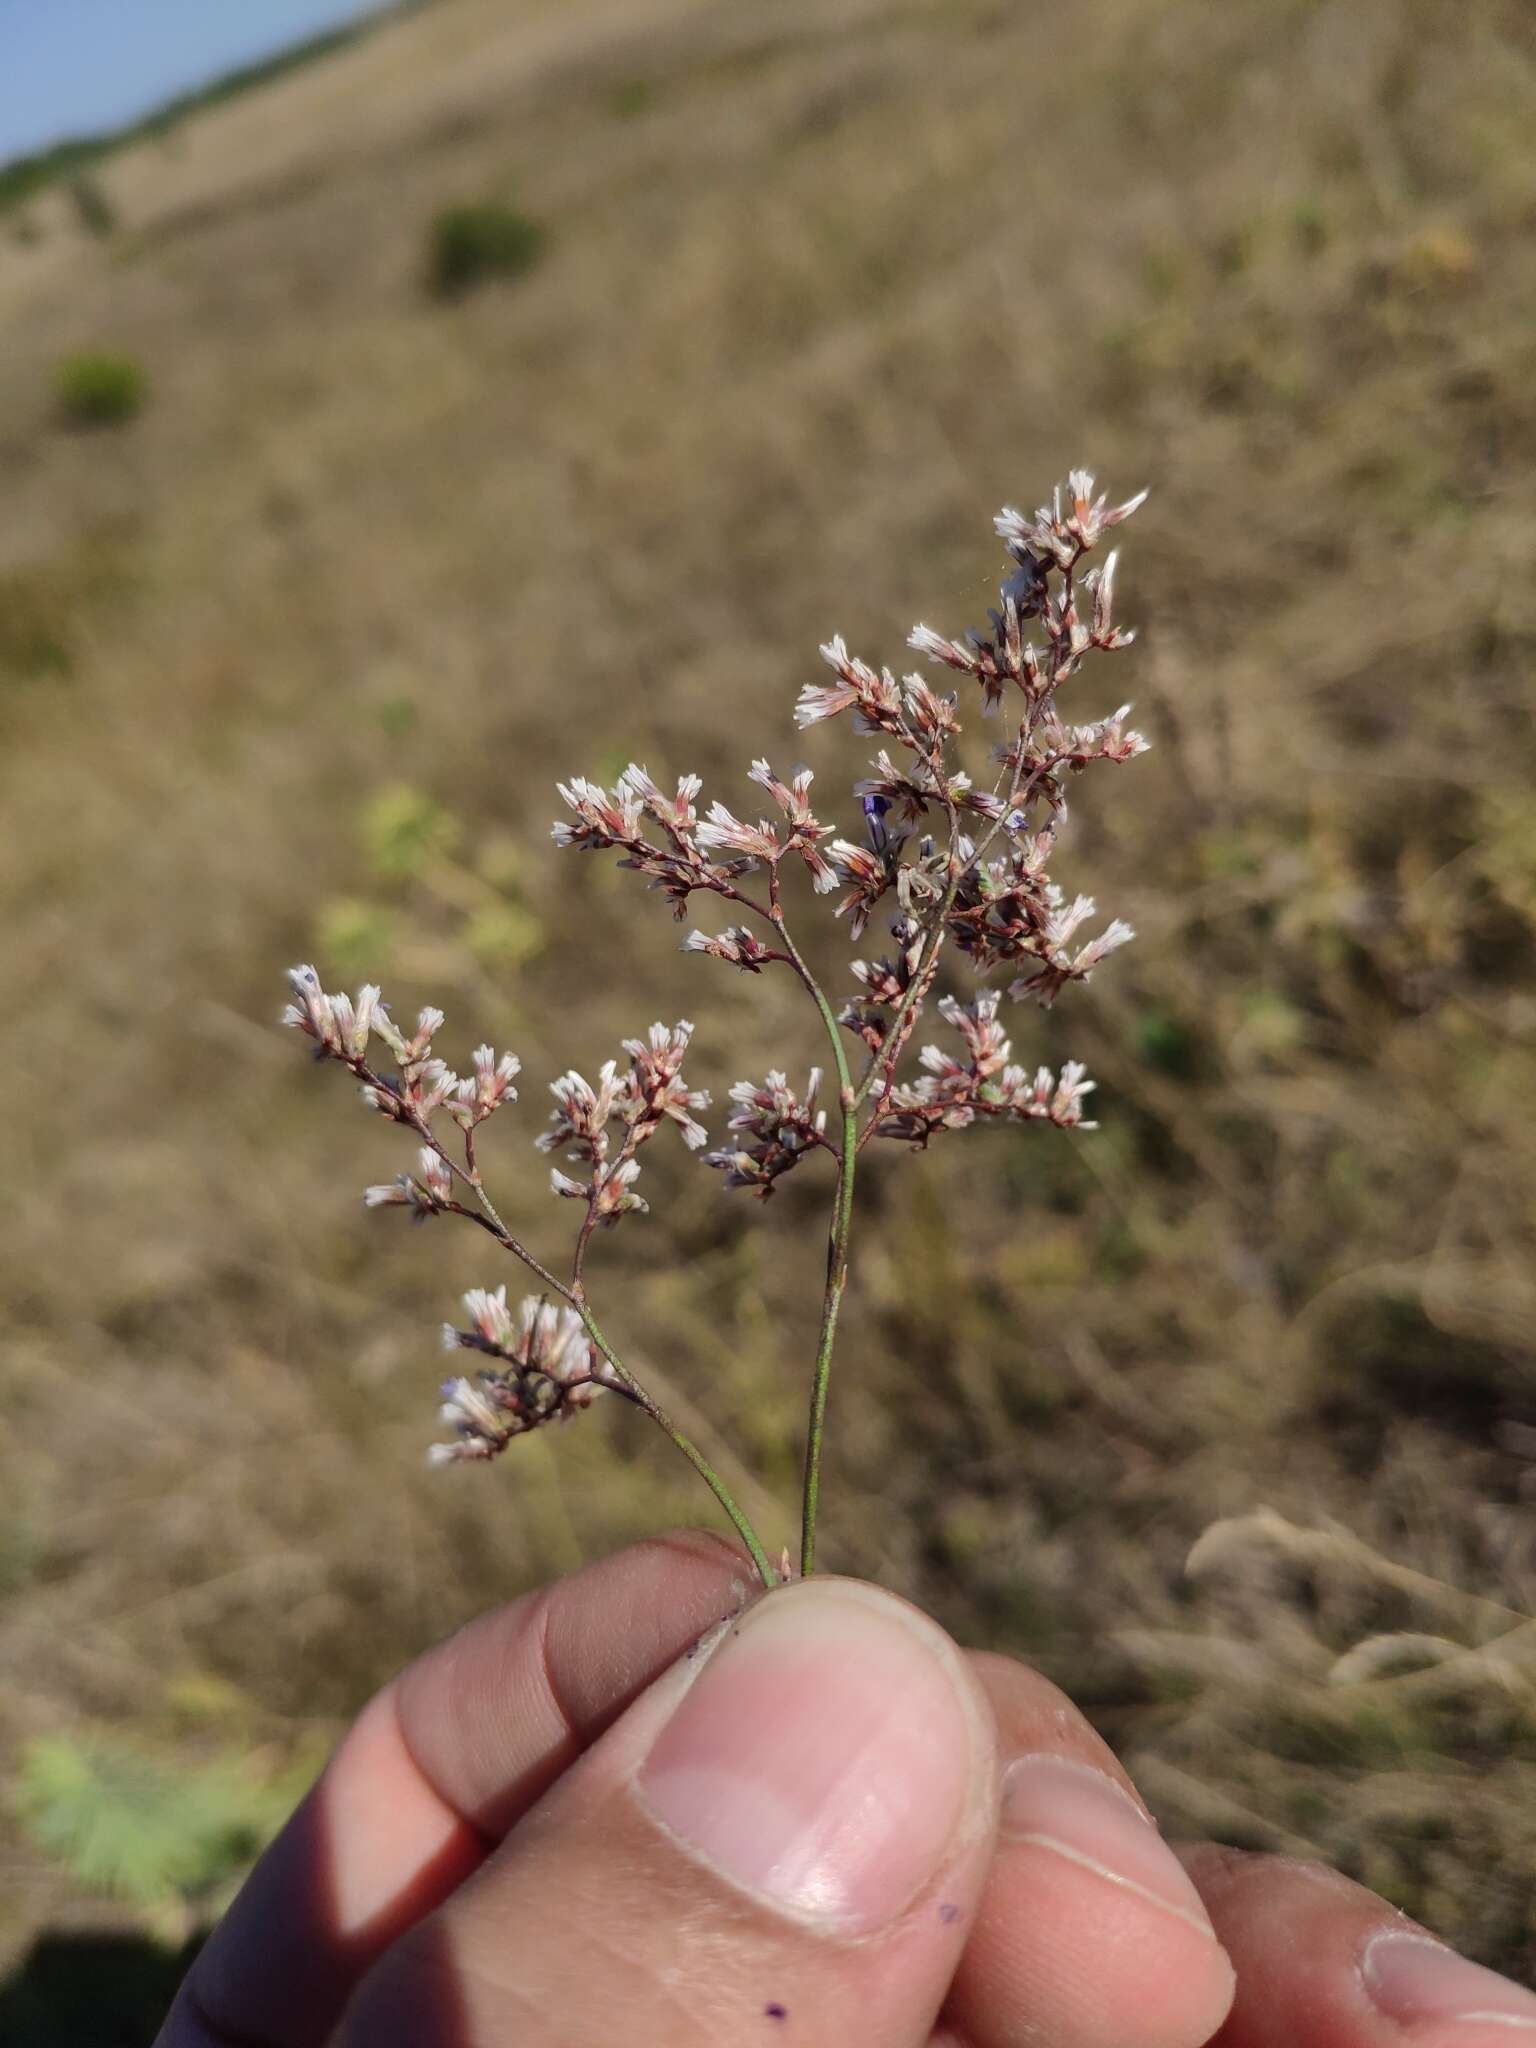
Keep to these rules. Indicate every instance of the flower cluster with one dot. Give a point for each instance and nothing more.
(955, 854)
(422, 1084)
(551, 1364)
(636, 1105)
(1051, 538)
(546, 1368)
(663, 837)
(426, 1192)
(951, 1094)
(1008, 912)
(737, 943)
(777, 1128)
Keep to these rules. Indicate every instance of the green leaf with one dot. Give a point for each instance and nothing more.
(143, 1827)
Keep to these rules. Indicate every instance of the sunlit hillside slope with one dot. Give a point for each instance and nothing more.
(290, 661)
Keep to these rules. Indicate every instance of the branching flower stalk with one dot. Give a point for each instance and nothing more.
(963, 864)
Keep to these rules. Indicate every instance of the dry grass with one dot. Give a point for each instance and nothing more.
(825, 284)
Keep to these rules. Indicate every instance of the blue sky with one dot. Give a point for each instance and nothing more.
(72, 67)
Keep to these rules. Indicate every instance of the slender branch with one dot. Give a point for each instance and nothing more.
(885, 1061)
(914, 991)
(562, 1390)
(583, 1239)
(837, 1278)
(904, 1015)
(837, 1236)
(492, 1220)
(851, 1099)
(485, 1214)
(796, 958)
(896, 1039)
(685, 1444)
(479, 1216)
(881, 1068)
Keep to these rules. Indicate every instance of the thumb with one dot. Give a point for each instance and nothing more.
(790, 1828)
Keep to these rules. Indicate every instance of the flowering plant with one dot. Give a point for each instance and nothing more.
(963, 865)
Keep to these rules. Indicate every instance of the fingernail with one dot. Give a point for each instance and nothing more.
(825, 1757)
(1070, 1808)
(1410, 1977)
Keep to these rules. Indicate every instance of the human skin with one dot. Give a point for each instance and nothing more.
(643, 1805)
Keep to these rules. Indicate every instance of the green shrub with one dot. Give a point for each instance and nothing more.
(146, 1827)
(630, 97)
(404, 830)
(469, 914)
(474, 243)
(93, 209)
(355, 934)
(96, 389)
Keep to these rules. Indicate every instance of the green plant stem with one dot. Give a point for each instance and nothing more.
(685, 1444)
(837, 1245)
(486, 1215)
(821, 1378)
(850, 1101)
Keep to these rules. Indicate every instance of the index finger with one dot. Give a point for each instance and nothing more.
(433, 1772)
(1323, 1963)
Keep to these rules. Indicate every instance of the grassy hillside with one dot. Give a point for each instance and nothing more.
(290, 660)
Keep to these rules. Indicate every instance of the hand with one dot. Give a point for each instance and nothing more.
(605, 1815)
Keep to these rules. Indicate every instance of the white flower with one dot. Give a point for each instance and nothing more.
(725, 833)
(490, 1316)
(466, 1407)
(602, 819)
(614, 1196)
(368, 1000)
(938, 648)
(435, 1175)
(1116, 934)
(581, 1113)
(552, 1339)
(1064, 536)
(426, 1194)
(818, 701)
(1049, 1099)
(483, 1092)
(305, 983)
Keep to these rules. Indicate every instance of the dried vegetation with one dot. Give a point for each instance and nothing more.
(288, 667)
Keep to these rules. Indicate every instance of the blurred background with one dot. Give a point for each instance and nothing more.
(496, 389)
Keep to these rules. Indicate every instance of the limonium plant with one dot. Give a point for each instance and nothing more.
(955, 861)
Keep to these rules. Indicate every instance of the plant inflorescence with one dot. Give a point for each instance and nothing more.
(962, 864)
